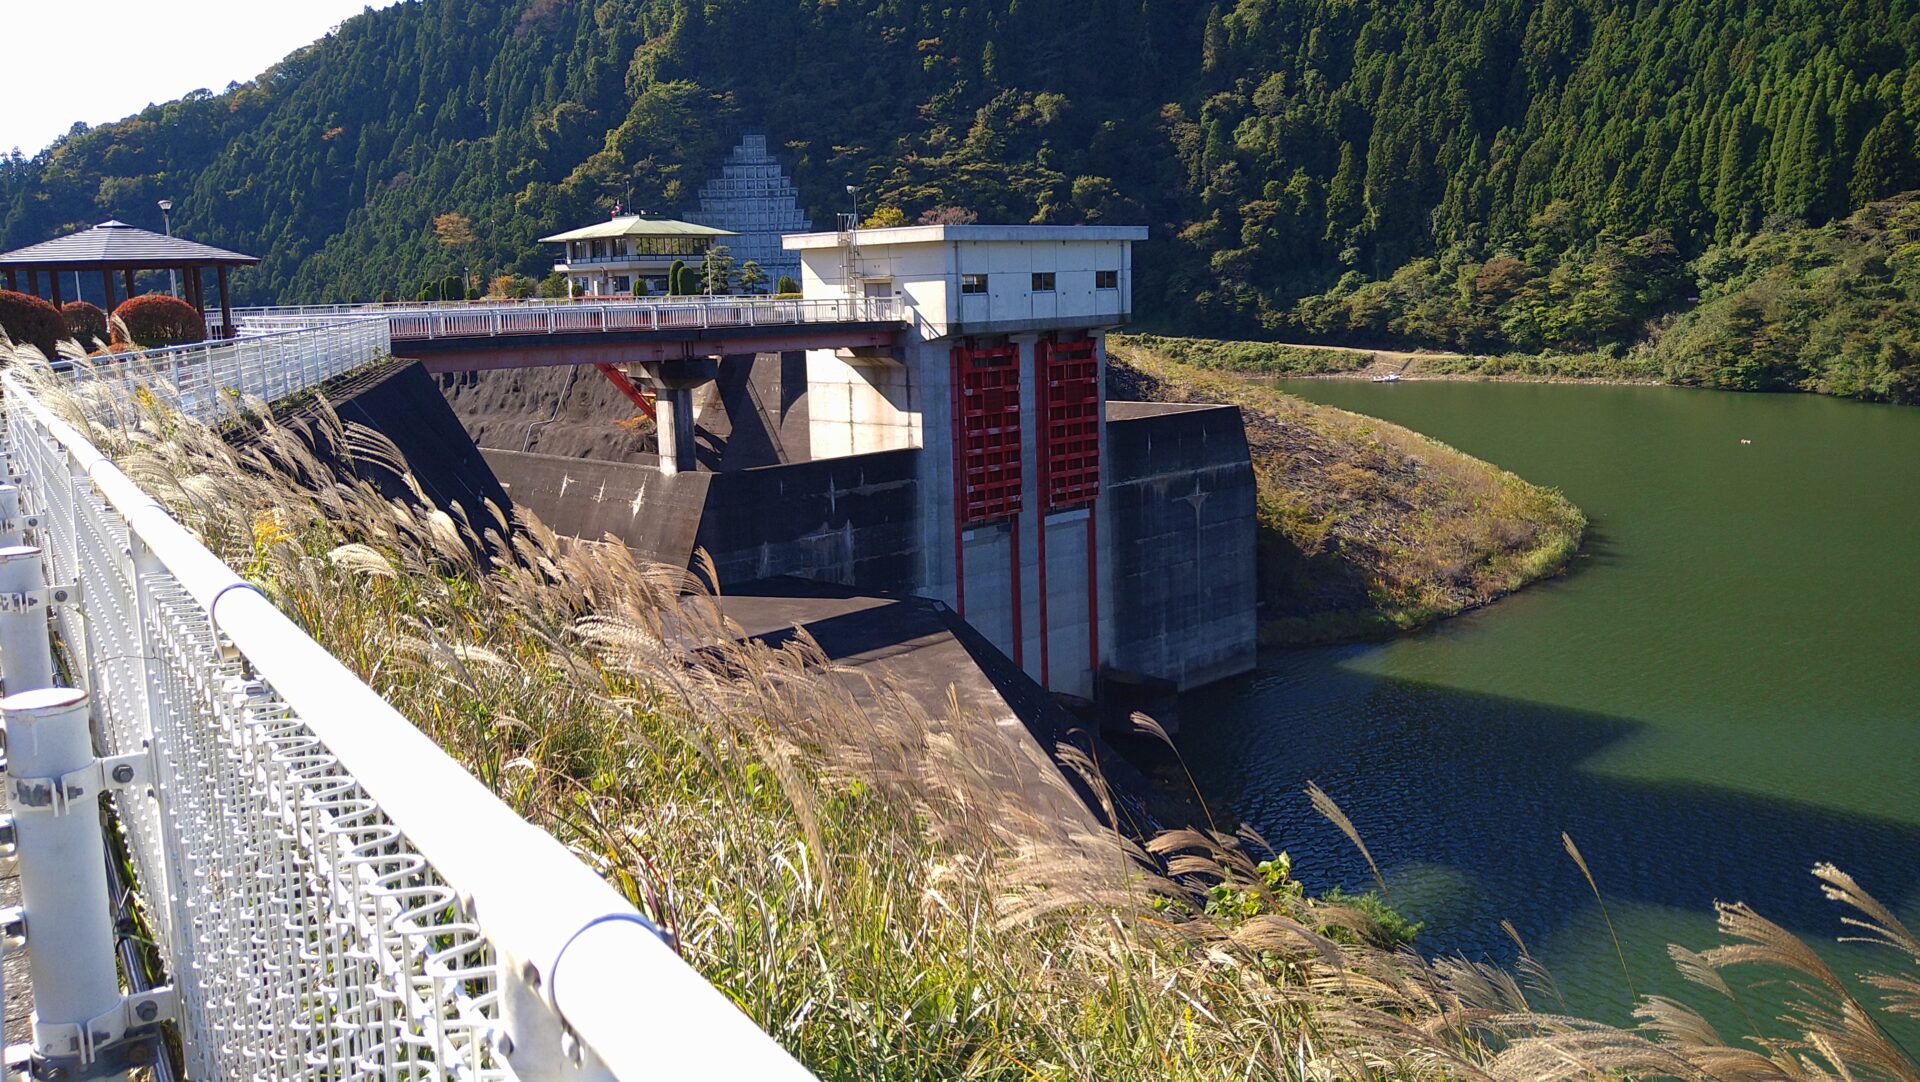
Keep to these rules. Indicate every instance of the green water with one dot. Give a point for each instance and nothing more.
(1723, 690)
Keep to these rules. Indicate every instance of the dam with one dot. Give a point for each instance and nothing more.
(928, 420)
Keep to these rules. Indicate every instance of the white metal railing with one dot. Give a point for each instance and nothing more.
(332, 894)
(208, 379)
(490, 318)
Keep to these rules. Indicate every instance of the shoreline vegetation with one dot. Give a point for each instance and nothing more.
(1366, 529)
(1824, 309)
(880, 888)
(1313, 360)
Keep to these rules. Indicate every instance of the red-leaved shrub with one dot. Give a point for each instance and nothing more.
(158, 320)
(28, 320)
(85, 322)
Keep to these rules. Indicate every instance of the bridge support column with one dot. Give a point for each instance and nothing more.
(673, 385)
(673, 416)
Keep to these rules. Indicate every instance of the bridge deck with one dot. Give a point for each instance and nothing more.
(514, 334)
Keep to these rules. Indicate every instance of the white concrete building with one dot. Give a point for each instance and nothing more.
(998, 380)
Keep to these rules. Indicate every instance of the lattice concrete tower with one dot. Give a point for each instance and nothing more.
(753, 197)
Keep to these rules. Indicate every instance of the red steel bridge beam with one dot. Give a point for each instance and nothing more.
(619, 379)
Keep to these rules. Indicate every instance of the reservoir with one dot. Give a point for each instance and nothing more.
(1722, 691)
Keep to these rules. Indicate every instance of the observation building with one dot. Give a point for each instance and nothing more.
(629, 255)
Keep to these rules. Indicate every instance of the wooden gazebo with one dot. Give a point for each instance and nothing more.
(117, 248)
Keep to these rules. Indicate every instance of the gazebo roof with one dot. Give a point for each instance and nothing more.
(117, 246)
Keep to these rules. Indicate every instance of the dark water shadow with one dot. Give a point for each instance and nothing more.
(1484, 785)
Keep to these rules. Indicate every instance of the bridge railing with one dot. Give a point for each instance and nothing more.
(332, 895)
(491, 318)
(207, 379)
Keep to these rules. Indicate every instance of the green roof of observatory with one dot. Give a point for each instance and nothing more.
(635, 226)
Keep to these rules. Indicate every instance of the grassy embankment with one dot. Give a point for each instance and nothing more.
(1366, 528)
(893, 895)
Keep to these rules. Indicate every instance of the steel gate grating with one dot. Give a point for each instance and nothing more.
(1070, 421)
(988, 432)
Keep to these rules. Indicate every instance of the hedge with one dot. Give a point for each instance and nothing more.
(85, 322)
(158, 320)
(29, 320)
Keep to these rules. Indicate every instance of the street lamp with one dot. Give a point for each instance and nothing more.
(166, 217)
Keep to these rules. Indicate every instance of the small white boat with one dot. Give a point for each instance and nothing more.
(1390, 377)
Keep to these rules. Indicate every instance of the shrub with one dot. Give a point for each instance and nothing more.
(158, 320)
(27, 318)
(452, 287)
(554, 286)
(85, 322)
(515, 286)
(677, 278)
(786, 284)
(473, 293)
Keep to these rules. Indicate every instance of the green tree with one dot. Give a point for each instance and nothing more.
(1885, 162)
(716, 271)
(752, 277)
(786, 285)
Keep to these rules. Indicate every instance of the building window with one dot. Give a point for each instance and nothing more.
(1108, 279)
(622, 284)
(973, 283)
(1043, 281)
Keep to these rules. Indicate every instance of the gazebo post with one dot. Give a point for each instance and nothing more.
(106, 284)
(33, 281)
(53, 279)
(226, 311)
(12, 282)
(127, 276)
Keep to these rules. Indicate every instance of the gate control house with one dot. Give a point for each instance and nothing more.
(1080, 540)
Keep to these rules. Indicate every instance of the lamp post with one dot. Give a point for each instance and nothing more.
(166, 218)
(852, 269)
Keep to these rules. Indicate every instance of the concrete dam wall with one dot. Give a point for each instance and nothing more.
(1177, 510)
(1181, 503)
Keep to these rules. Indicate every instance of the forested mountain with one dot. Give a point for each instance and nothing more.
(1538, 172)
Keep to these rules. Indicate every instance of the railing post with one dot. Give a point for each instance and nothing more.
(12, 522)
(63, 880)
(26, 654)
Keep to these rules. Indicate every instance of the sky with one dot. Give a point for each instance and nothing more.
(107, 59)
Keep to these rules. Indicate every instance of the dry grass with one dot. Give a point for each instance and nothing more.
(1368, 528)
(893, 894)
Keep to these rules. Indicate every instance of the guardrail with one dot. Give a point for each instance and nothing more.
(209, 379)
(332, 895)
(488, 319)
